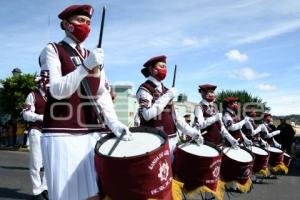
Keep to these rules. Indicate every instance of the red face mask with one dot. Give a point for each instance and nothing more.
(80, 31)
(161, 73)
(210, 97)
(253, 114)
(235, 106)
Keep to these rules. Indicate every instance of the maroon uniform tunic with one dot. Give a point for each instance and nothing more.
(163, 121)
(39, 104)
(237, 133)
(213, 131)
(73, 114)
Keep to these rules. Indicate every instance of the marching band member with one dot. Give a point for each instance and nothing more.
(33, 112)
(71, 127)
(234, 126)
(208, 118)
(156, 107)
(269, 131)
(232, 121)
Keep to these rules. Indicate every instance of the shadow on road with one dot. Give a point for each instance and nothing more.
(14, 168)
(13, 194)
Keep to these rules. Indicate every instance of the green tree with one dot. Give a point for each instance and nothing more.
(245, 99)
(14, 92)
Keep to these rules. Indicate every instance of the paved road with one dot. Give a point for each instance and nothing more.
(15, 183)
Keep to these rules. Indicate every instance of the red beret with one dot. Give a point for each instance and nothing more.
(230, 99)
(154, 60)
(267, 115)
(86, 10)
(206, 87)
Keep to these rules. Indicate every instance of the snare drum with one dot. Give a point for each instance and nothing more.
(197, 165)
(236, 165)
(287, 159)
(261, 158)
(276, 156)
(137, 169)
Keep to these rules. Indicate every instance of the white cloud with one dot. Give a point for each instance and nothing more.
(190, 42)
(278, 29)
(235, 55)
(266, 87)
(247, 73)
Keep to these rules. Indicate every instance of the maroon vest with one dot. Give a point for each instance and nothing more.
(164, 121)
(213, 131)
(39, 104)
(236, 134)
(73, 114)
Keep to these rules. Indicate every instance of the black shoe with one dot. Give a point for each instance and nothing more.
(38, 197)
(45, 194)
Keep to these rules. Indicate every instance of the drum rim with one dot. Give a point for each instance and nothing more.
(133, 130)
(244, 148)
(206, 143)
(260, 148)
(275, 148)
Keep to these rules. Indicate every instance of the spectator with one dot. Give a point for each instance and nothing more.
(287, 134)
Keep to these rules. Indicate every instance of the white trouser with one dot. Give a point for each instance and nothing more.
(39, 183)
(69, 165)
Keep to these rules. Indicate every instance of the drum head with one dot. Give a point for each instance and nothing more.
(259, 151)
(274, 150)
(202, 150)
(239, 154)
(144, 141)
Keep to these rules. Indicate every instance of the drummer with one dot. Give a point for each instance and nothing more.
(251, 129)
(156, 107)
(209, 119)
(232, 121)
(270, 132)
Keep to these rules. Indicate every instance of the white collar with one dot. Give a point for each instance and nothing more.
(205, 102)
(71, 42)
(230, 111)
(155, 81)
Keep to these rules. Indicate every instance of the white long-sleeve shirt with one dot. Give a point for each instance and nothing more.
(28, 112)
(150, 111)
(64, 86)
(203, 123)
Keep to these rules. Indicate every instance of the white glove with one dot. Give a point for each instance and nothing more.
(94, 59)
(196, 136)
(276, 144)
(39, 118)
(264, 143)
(247, 142)
(233, 142)
(171, 92)
(119, 129)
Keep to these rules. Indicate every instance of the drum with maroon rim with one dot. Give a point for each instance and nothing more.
(276, 156)
(196, 165)
(287, 159)
(236, 164)
(137, 169)
(261, 158)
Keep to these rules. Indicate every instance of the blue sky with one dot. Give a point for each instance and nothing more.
(251, 44)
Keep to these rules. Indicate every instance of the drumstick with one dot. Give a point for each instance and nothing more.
(204, 133)
(231, 147)
(116, 143)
